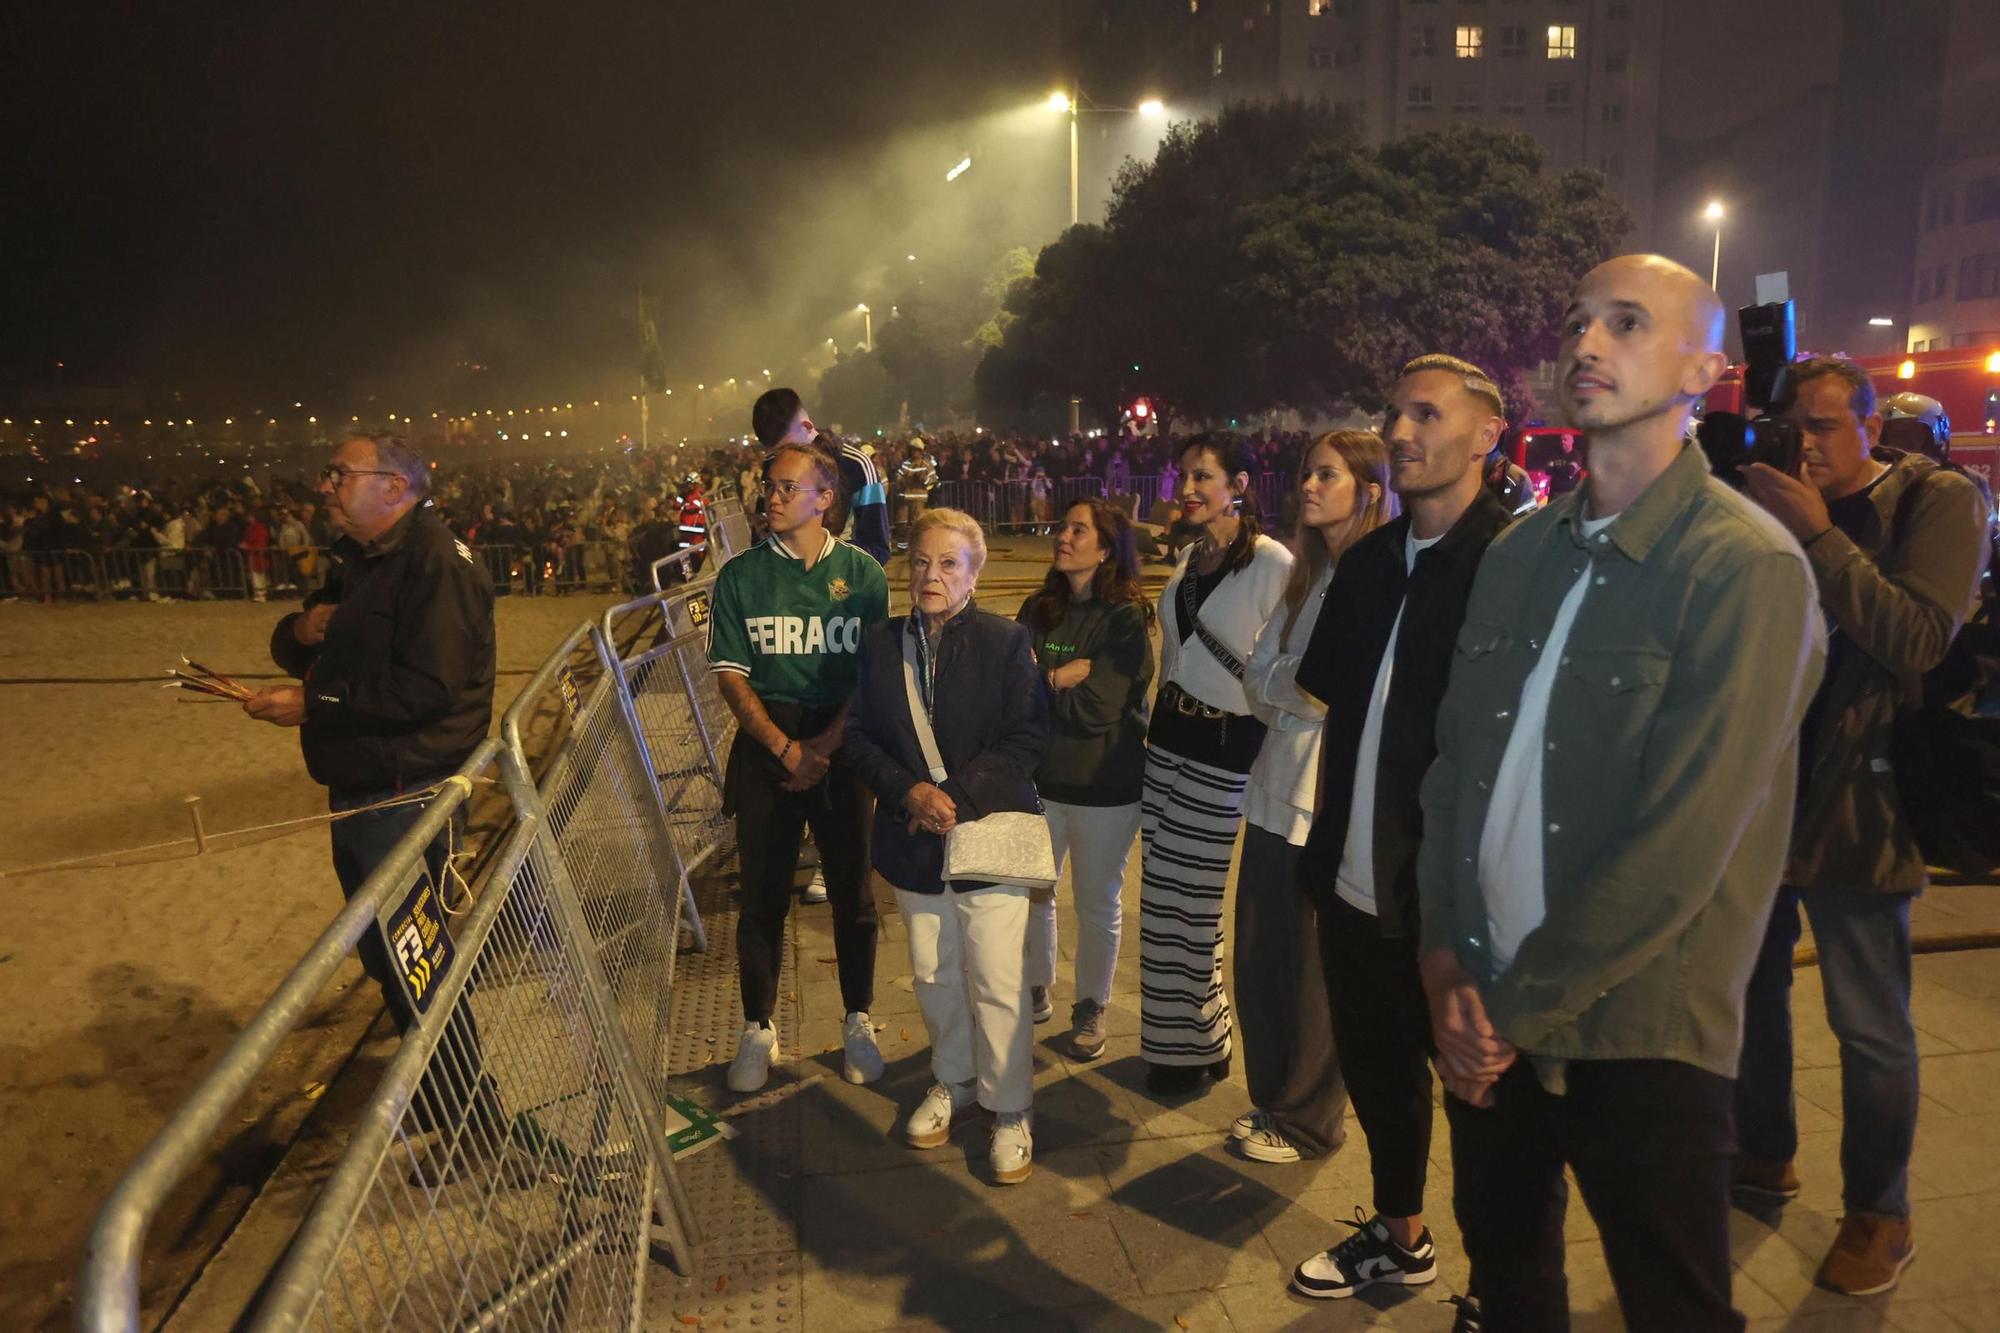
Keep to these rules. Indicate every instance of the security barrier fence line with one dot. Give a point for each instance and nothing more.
(509, 1167)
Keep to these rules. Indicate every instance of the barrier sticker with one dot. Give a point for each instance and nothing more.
(419, 943)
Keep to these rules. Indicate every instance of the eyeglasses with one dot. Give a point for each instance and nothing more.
(785, 490)
(338, 473)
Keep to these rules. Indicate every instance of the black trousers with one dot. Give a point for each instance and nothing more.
(457, 1081)
(1650, 1142)
(1382, 1037)
(770, 823)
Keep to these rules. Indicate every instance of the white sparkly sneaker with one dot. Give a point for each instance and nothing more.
(929, 1126)
(864, 1057)
(752, 1065)
(1013, 1150)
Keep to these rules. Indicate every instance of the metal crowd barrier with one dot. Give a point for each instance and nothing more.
(728, 529)
(687, 727)
(504, 1173)
(1014, 506)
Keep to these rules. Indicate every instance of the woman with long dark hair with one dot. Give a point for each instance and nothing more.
(1342, 494)
(1090, 621)
(1199, 747)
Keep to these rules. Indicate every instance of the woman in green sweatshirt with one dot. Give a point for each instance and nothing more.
(1091, 624)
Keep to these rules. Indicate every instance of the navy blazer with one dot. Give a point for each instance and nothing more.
(991, 718)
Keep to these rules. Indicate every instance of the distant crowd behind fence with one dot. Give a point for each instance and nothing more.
(511, 1168)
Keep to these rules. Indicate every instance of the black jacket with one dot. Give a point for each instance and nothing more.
(991, 719)
(400, 692)
(1369, 586)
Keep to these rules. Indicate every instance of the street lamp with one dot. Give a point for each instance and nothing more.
(1714, 214)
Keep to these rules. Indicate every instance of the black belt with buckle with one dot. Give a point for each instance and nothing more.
(1174, 697)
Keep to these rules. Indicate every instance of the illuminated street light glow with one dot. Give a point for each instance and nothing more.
(1907, 371)
(1059, 102)
(1714, 210)
(964, 165)
(1883, 322)
(1152, 108)
(1993, 364)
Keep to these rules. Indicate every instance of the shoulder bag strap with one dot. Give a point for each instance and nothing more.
(920, 716)
(1192, 612)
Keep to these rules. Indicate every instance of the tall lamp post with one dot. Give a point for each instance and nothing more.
(1714, 214)
(867, 327)
(1070, 103)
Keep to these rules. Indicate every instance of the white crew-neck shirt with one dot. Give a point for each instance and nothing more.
(1355, 882)
(1510, 845)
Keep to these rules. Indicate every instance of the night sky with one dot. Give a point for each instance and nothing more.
(275, 200)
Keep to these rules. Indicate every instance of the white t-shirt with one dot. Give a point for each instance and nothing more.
(1355, 882)
(1510, 844)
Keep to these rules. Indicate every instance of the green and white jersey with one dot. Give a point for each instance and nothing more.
(796, 632)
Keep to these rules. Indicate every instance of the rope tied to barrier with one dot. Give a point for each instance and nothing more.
(203, 840)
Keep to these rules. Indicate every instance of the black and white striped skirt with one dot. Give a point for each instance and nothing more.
(1189, 817)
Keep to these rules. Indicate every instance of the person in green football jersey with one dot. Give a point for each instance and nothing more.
(785, 628)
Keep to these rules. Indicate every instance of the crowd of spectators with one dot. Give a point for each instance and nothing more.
(584, 520)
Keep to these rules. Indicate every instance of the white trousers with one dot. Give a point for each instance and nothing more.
(1096, 840)
(965, 952)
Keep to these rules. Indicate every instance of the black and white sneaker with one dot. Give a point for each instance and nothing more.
(1369, 1256)
(1467, 1320)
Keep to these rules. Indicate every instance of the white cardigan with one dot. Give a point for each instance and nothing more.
(1284, 780)
(1235, 614)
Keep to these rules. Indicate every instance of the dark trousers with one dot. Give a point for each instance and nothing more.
(1282, 1026)
(1864, 971)
(770, 822)
(1382, 1034)
(457, 1079)
(1650, 1143)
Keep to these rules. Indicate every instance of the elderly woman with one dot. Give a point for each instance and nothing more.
(976, 682)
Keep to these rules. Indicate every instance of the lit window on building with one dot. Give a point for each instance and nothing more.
(1470, 41)
(1562, 41)
(1318, 8)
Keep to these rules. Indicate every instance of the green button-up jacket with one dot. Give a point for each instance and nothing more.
(1669, 776)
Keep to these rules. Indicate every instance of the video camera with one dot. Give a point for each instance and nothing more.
(1731, 440)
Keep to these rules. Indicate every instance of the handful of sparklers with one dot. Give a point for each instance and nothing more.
(193, 676)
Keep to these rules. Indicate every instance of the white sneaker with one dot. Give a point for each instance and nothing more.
(752, 1065)
(814, 892)
(864, 1057)
(1267, 1143)
(1013, 1150)
(1246, 1124)
(929, 1126)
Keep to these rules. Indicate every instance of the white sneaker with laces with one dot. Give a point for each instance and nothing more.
(1013, 1149)
(864, 1057)
(752, 1065)
(1247, 1124)
(1267, 1143)
(814, 892)
(929, 1126)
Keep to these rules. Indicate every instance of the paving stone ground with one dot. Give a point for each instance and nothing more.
(1137, 1216)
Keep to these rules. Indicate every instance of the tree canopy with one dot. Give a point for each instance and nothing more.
(1270, 258)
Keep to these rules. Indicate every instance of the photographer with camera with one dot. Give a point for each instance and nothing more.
(1896, 545)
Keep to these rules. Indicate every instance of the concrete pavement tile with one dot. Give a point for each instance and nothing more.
(1256, 1309)
(1970, 974)
(1957, 1153)
(1073, 1108)
(1954, 1251)
(1153, 1175)
(1926, 1317)
(1190, 1312)
(965, 1268)
(1194, 1248)
(1965, 1023)
(1965, 1084)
